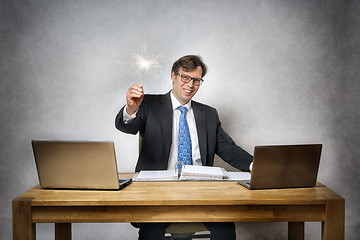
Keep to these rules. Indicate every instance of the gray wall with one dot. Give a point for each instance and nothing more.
(281, 72)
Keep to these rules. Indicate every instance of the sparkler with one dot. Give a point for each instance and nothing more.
(142, 63)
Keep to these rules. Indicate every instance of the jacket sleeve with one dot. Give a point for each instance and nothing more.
(230, 152)
(135, 125)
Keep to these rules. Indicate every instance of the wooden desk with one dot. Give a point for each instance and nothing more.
(164, 202)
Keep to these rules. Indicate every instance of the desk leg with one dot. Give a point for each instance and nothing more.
(62, 231)
(23, 228)
(334, 226)
(296, 231)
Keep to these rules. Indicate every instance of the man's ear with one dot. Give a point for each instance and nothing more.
(173, 76)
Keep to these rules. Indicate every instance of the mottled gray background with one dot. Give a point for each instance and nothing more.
(280, 72)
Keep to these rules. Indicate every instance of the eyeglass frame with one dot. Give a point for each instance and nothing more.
(191, 78)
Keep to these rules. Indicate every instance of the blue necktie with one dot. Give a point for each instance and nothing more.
(184, 148)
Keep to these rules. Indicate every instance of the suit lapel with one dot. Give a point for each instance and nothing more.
(200, 119)
(166, 113)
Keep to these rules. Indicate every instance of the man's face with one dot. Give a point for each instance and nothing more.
(185, 91)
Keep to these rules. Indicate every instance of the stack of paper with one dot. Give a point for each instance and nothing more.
(161, 175)
(236, 176)
(191, 172)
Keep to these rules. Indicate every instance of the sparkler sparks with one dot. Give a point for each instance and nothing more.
(144, 63)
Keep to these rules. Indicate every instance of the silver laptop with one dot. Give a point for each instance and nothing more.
(77, 165)
(284, 166)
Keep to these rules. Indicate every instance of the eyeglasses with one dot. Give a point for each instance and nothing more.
(186, 79)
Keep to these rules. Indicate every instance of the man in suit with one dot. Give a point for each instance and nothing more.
(157, 117)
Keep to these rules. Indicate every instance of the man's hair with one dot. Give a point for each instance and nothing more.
(189, 63)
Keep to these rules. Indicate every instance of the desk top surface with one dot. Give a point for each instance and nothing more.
(174, 193)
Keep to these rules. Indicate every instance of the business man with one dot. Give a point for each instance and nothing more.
(173, 127)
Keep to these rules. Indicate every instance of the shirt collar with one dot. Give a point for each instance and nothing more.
(175, 103)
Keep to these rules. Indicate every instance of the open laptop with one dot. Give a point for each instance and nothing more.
(284, 166)
(77, 165)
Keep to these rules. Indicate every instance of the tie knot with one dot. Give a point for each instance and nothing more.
(183, 109)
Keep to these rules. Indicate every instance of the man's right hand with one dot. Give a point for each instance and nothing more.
(134, 97)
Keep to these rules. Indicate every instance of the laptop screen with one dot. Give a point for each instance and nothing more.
(76, 164)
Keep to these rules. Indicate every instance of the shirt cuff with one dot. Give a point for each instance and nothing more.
(250, 167)
(127, 117)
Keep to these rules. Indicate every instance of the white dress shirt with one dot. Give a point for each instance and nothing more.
(196, 158)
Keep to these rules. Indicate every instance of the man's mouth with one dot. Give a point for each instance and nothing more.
(188, 91)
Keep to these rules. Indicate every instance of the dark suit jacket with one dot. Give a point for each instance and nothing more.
(154, 121)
